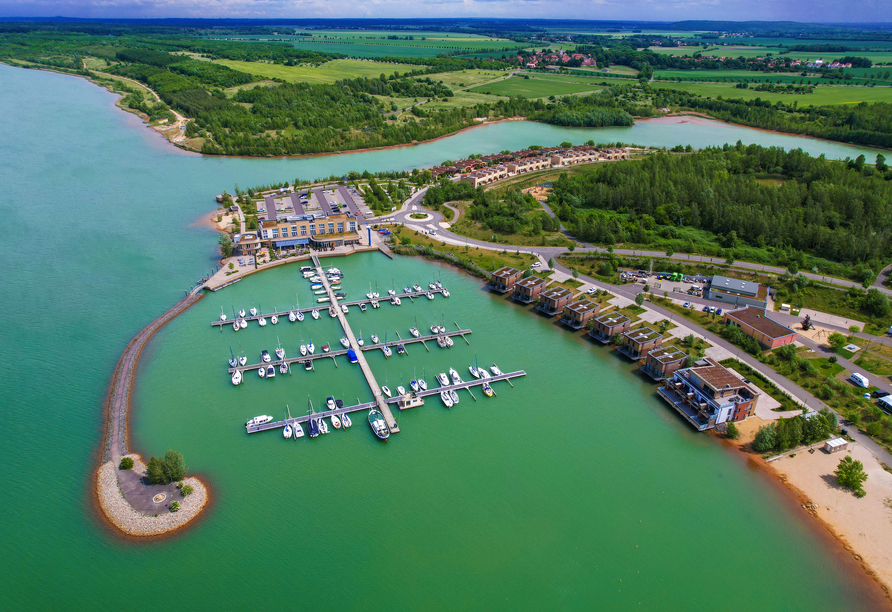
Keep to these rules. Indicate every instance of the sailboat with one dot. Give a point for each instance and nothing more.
(242, 360)
(487, 390)
(359, 340)
(311, 348)
(264, 356)
(280, 352)
(345, 342)
(297, 313)
(241, 313)
(345, 419)
(235, 326)
(242, 324)
(262, 320)
(379, 427)
(283, 368)
(222, 314)
(386, 391)
(312, 425)
(336, 421)
(326, 348)
(237, 378)
(374, 338)
(421, 382)
(315, 313)
(274, 319)
(232, 360)
(400, 390)
(495, 370)
(430, 295)
(253, 311)
(287, 432)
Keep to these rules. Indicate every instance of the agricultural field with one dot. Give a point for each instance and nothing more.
(766, 77)
(755, 41)
(823, 95)
(328, 72)
(615, 69)
(534, 88)
(463, 79)
(737, 51)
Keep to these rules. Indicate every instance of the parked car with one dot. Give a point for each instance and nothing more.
(712, 309)
(592, 291)
(880, 393)
(687, 304)
(535, 264)
(706, 309)
(718, 311)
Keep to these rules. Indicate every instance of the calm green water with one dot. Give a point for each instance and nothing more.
(575, 489)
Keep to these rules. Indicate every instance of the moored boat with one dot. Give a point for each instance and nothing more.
(283, 368)
(456, 379)
(445, 293)
(422, 384)
(286, 433)
(270, 372)
(325, 348)
(379, 427)
(298, 431)
(414, 331)
(387, 351)
(400, 390)
(430, 295)
(261, 372)
(386, 391)
(441, 341)
(487, 390)
(243, 324)
(453, 395)
(323, 426)
(449, 341)
(241, 313)
(474, 372)
(237, 378)
(235, 325)
(344, 342)
(315, 313)
(259, 420)
(400, 349)
(351, 356)
(222, 314)
(447, 401)
(336, 421)
(264, 356)
(345, 419)
(495, 370)
(375, 339)
(442, 379)
(413, 384)
(303, 349)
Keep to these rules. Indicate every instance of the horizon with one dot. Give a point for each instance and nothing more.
(663, 13)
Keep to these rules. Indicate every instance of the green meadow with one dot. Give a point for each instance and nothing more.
(534, 87)
(823, 95)
(328, 72)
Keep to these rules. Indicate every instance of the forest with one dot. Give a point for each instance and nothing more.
(834, 210)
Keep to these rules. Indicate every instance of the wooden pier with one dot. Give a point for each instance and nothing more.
(332, 354)
(323, 307)
(387, 401)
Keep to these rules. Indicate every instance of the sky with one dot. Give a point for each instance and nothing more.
(810, 11)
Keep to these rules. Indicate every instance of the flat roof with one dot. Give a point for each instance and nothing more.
(557, 293)
(506, 272)
(270, 203)
(718, 377)
(612, 318)
(665, 355)
(531, 281)
(582, 306)
(735, 285)
(757, 318)
(642, 334)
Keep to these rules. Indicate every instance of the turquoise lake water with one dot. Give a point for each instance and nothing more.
(576, 489)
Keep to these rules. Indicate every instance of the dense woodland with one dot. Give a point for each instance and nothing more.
(833, 210)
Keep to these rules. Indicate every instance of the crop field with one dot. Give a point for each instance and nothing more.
(740, 51)
(765, 77)
(328, 72)
(790, 42)
(823, 95)
(534, 88)
(467, 78)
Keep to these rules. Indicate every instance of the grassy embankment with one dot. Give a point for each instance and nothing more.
(486, 259)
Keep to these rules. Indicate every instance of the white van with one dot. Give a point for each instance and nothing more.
(859, 380)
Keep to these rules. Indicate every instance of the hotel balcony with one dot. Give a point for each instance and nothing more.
(547, 309)
(682, 405)
(572, 323)
(599, 336)
(653, 373)
(631, 353)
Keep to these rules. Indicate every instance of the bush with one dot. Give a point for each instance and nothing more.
(174, 506)
(765, 439)
(187, 489)
(833, 359)
(126, 463)
(732, 432)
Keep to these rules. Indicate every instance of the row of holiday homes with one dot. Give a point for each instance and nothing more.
(704, 392)
(491, 168)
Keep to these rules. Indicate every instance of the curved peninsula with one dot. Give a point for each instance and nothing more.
(128, 500)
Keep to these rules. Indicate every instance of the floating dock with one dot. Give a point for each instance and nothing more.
(387, 401)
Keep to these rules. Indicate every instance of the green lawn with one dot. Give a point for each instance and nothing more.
(326, 73)
(534, 88)
(823, 95)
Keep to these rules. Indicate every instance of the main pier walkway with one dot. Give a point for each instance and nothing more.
(360, 355)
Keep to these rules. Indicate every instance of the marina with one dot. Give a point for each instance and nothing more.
(468, 385)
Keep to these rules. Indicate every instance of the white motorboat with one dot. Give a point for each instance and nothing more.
(362, 308)
(375, 304)
(386, 391)
(315, 313)
(374, 338)
(441, 342)
(360, 341)
(453, 395)
(495, 370)
(237, 378)
(344, 342)
(270, 372)
(333, 312)
(336, 421)
(286, 433)
(401, 390)
(422, 384)
(264, 356)
(323, 300)
(330, 403)
(298, 431)
(445, 293)
(344, 309)
(253, 311)
(243, 324)
(235, 325)
(430, 295)
(259, 420)
(474, 372)
(261, 372)
(387, 351)
(262, 321)
(222, 314)
(345, 419)
(241, 313)
(449, 341)
(397, 301)
(317, 286)
(320, 292)
(442, 379)
(447, 401)
(325, 348)
(292, 316)
(456, 379)
(414, 331)
(323, 426)
(303, 350)
(274, 320)
(283, 368)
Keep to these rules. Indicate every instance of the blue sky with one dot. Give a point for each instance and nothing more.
(814, 11)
